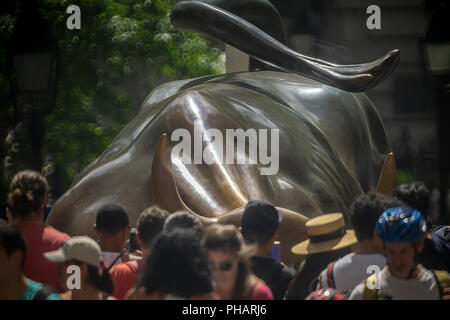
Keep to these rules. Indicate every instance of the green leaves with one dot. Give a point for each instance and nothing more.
(121, 45)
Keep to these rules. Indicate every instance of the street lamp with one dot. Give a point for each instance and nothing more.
(436, 53)
(32, 60)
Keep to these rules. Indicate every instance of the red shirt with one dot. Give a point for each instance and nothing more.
(124, 277)
(41, 238)
(261, 292)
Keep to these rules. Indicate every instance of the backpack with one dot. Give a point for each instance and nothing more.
(442, 279)
(317, 282)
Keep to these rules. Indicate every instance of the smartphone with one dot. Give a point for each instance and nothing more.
(133, 244)
(275, 254)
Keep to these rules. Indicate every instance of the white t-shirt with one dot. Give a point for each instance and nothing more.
(351, 269)
(108, 257)
(424, 287)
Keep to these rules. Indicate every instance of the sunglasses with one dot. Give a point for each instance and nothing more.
(224, 266)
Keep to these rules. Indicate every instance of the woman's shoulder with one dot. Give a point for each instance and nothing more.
(261, 291)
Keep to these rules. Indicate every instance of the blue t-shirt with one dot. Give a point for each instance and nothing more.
(33, 288)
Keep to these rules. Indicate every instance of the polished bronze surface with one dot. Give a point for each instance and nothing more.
(260, 13)
(166, 195)
(387, 180)
(218, 23)
(332, 148)
(332, 143)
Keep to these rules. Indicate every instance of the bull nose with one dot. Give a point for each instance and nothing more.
(61, 213)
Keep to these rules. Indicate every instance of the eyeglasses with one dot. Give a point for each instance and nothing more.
(223, 266)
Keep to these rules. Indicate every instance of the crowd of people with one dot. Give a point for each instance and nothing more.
(392, 251)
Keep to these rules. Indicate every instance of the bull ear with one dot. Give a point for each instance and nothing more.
(164, 188)
(386, 182)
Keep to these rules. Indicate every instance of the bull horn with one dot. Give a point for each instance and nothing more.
(166, 195)
(386, 182)
(164, 188)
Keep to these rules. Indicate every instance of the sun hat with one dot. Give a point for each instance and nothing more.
(326, 233)
(81, 248)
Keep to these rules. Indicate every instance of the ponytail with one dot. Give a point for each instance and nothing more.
(28, 189)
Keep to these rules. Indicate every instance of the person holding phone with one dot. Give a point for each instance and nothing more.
(150, 225)
(259, 226)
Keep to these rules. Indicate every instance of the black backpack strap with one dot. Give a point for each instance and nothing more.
(44, 293)
(330, 275)
(115, 260)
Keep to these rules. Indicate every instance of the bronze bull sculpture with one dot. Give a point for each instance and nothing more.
(332, 143)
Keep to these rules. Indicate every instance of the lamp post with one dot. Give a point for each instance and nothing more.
(32, 61)
(436, 52)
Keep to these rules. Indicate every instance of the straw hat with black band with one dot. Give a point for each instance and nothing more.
(326, 233)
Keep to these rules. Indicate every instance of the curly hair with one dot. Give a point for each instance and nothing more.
(177, 265)
(415, 195)
(27, 190)
(365, 211)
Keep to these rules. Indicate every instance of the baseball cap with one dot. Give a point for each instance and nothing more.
(260, 217)
(81, 248)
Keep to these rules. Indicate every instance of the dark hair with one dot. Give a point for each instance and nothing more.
(103, 283)
(185, 220)
(111, 218)
(415, 195)
(27, 190)
(178, 264)
(226, 238)
(253, 236)
(11, 239)
(260, 221)
(222, 237)
(365, 211)
(151, 223)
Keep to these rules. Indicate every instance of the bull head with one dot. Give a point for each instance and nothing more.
(331, 140)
